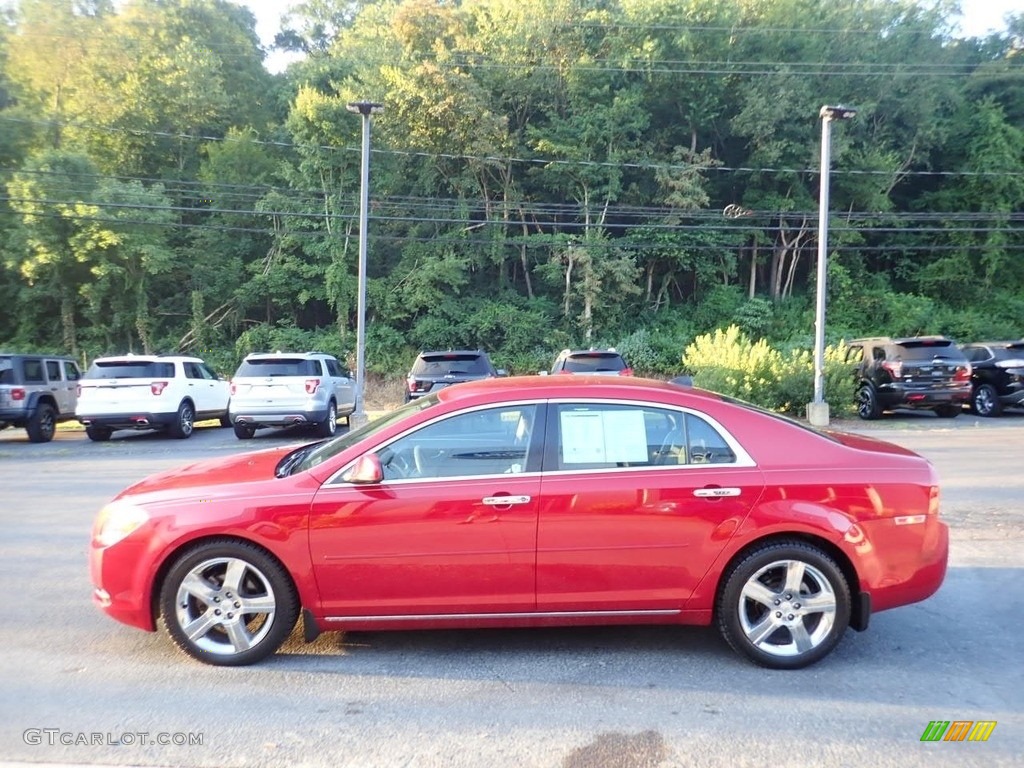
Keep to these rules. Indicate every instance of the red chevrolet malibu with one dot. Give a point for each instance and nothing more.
(534, 501)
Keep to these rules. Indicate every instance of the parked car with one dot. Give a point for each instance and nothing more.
(997, 375)
(591, 361)
(290, 388)
(920, 372)
(37, 392)
(163, 392)
(432, 371)
(532, 501)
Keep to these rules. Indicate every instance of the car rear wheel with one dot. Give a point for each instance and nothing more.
(244, 431)
(948, 411)
(184, 421)
(43, 424)
(985, 401)
(228, 603)
(99, 434)
(785, 605)
(867, 403)
(329, 426)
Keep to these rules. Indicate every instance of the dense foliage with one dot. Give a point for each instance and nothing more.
(545, 173)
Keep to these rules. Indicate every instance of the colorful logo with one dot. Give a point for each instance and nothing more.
(958, 730)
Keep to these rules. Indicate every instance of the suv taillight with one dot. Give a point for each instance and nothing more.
(311, 385)
(157, 387)
(78, 390)
(626, 372)
(416, 386)
(963, 373)
(895, 369)
(233, 389)
(17, 393)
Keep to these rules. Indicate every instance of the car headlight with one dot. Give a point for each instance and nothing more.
(116, 520)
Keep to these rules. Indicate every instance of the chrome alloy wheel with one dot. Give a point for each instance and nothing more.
(225, 606)
(787, 608)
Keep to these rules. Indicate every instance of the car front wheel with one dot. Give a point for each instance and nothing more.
(985, 401)
(228, 603)
(785, 605)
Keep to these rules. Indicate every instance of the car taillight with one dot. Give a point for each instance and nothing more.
(963, 373)
(311, 385)
(233, 389)
(157, 387)
(933, 500)
(626, 372)
(895, 369)
(17, 393)
(78, 390)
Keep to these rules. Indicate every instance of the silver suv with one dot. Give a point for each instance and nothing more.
(287, 388)
(36, 392)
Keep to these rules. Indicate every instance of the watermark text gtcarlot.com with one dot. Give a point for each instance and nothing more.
(52, 737)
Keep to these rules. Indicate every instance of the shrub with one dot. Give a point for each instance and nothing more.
(730, 363)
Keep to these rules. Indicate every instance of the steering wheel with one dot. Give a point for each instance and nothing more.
(673, 440)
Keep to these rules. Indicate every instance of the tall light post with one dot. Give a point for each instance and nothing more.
(366, 109)
(817, 410)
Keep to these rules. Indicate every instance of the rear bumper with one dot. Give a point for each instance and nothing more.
(128, 420)
(901, 564)
(276, 416)
(16, 417)
(897, 396)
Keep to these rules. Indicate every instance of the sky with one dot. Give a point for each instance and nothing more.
(979, 18)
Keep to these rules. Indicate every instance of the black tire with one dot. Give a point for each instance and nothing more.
(184, 421)
(225, 578)
(329, 426)
(948, 411)
(99, 434)
(985, 401)
(244, 431)
(756, 588)
(42, 426)
(867, 403)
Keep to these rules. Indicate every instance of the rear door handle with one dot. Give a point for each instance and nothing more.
(502, 501)
(716, 493)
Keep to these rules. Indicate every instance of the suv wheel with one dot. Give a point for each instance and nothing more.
(985, 401)
(99, 434)
(184, 421)
(948, 411)
(867, 403)
(244, 431)
(42, 425)
(329, 426)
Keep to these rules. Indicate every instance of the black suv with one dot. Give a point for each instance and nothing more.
(997, 375)
(36, 392)
(606, 362)
(922, 372)
(435, 370)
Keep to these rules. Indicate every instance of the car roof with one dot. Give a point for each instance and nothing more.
(598, 386)
(1007, 343)
(275, 355)
(432, 352)
(902, 339)
(147, 359)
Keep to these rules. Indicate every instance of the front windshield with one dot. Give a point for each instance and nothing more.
(350, 438)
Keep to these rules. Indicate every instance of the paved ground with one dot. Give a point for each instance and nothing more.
(587, 698)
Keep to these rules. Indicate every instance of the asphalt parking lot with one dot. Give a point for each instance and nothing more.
(79, 688)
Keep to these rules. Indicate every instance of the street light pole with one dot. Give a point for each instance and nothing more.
(366, 109)
(817, 410)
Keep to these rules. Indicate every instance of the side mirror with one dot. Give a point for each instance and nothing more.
(366, 471)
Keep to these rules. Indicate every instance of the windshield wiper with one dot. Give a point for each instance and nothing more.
(293, 459)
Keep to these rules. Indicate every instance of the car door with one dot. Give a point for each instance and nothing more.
(451, 529)
(344, 387)
(637, 501)
(71, 377)
(220, 390)
(59, 387)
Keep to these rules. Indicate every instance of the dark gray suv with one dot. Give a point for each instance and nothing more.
(919, 372)
(435, 370)
(36, 392)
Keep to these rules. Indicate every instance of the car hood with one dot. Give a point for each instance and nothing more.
(207, 475)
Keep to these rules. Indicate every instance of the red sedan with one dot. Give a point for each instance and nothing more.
(534, 501)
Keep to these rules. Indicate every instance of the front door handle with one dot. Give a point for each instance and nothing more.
(715, 492)
(503, 501)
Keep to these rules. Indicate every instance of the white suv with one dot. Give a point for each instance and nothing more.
(164, 392)
(290, 388)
